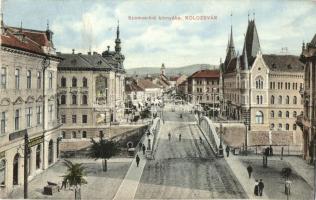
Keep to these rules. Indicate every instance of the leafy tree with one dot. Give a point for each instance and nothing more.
(103, 149)
(74, 176)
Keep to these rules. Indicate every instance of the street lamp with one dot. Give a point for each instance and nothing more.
(220, 148)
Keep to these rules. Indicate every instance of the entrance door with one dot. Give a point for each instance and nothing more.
(38, 156)
(16, 170)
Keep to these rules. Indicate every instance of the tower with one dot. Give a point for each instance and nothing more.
(163, 69)
(230, 52)
(118, 40)
(252, 44)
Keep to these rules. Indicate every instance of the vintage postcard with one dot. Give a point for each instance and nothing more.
(152, 99)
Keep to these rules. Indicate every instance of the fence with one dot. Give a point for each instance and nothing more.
(288, 150)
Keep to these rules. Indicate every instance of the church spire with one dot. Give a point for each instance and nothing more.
(230, 54)
(118, 40)
(245, 57)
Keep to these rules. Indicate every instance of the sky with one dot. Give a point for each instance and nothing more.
(84, 25)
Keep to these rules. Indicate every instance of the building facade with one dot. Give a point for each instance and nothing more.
(262, 91)
(28, 103)
(91, 92)
(307, 120)
(203, 89)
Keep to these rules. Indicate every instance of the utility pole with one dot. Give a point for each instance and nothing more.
(26, 154)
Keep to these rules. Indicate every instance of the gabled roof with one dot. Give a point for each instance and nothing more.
(252, 43)
(145, 84)
(206, 73)
(284, 63)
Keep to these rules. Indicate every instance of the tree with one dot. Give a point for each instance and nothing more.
(74, 176)
(103, 149)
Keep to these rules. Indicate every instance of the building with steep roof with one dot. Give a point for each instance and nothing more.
(91, 92)
(28, 104)
(307, 121)
(262, 91)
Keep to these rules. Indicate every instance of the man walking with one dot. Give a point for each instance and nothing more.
(249, 169)
(144, 149)
(137, 160)
(256, 191)
(169, 136)
(227, 150)
(261, 186)
(201, 141)
(180, 137)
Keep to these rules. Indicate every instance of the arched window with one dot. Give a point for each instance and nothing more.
(280, 99)
(287, 127)
(74, 134)
(280, 114)
(50, 152)
(287, 114)
(261, 99)
(259, 82)
(16, 169)
(272, 126)
(294, 114)
(280, 126)
(84, 134)
(74, 82)
(272, 114)
(63, 133)
(84, 82)
(74, 99)
(63, 99)
(294, 127)
(294, 100)
(84, 100)
(259, 117)
(258, 99)
(63, 82)
(2, 172)
(287, 100)
(272, 99)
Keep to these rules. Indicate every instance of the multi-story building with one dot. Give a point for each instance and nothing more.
(27, 104)
(203, 89)
(263, 91)
(135, 95)
(307, 121)
(91, 91)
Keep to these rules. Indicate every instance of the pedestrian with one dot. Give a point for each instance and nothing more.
(249, 170)
(180, 137)
(201, 141)
(64, 184)
(271, 150)
(256, 191)
(261, 186)
(227, 150)
(144, 149)
(169, 136)
(137, 160)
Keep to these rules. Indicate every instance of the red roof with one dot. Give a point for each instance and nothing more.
(206, 73)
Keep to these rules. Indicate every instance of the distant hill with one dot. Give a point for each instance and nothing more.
(187, 70)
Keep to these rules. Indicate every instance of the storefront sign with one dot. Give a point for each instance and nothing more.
(35, 141)
(18, 134)
(2, 154)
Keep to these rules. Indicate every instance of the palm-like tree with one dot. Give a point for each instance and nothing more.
(74, 176)
(103, 149)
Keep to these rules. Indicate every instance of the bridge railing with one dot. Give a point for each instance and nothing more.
(209, 132)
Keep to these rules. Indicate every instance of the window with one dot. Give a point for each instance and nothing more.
(50, 80)
(28, 113)
(38, 114)
(74, 119)
(17, 79)
(280, 114)
(63, 99)
(258, 100)
(28, 79)
(294, 114)
(280, 99)
(50, 112)
(84, 100)
(74, 82)
(287, 114)
(272, 114)
(259, 117)
(259, 82)
(39, 80)
(294, 127)
(63, 133)
(280, 126)
(84, 134)
(294, 100)
(84, 82)
(74, 134)
(2, 172)
(3, 122)
(84, 119)
(17, 119)
(74, 99)
(287, 127)
(63, 82)
(3, 78)
(261, 99)
(272, 99)
(271, 85)
(287, 100)
(272, 126)
(63, 119)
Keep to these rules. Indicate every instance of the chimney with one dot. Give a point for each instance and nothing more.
(73, 51)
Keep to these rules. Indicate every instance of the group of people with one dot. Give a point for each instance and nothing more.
(258, 190)
(268, 151)
(169, 136)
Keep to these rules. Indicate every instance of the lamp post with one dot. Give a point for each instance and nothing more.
(246, 139)
(220, 148)
(26, 155)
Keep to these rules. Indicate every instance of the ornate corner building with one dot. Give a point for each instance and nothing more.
(28, 103)
(307, 120)
(91, 91)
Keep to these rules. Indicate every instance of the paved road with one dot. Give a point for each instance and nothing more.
(186, 169)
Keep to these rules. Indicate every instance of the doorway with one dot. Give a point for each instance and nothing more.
(16, 169)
